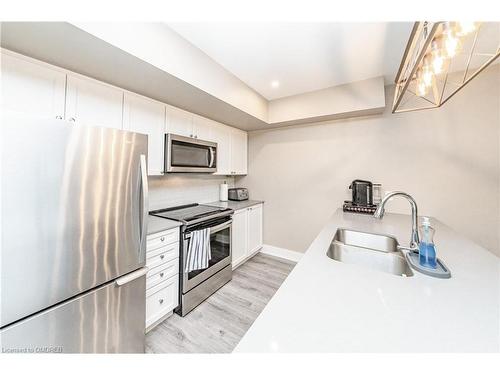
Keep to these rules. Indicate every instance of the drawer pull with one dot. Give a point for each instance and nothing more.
(162, 239)
(162, 256)
(161, 301)
(161, 274)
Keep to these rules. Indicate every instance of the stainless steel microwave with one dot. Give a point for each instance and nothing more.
(184, 154)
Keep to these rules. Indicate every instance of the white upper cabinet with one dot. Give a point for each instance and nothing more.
(179, 122)
(89, 102)
(32, 88)
(221, 134)
(146, 116)
(38, 89)
(239, 148)
(254, 228)
(188, 124)
(202, 128)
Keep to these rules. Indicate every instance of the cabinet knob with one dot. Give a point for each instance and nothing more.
(162, 239)
(58, 117)
(161, 274)
(196, 136)
(162, 256)
(161, 301)
(191, 135)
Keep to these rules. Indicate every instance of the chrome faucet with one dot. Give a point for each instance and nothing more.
(379, 214)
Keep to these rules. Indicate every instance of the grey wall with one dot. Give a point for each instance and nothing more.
(447, 158)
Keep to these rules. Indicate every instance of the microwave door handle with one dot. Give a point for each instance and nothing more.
(212, 157)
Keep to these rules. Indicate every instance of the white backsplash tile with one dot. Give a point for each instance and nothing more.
(178, 189)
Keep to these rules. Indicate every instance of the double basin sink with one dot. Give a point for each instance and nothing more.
(375, 251)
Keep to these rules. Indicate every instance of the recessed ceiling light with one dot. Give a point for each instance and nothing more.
(275, 83)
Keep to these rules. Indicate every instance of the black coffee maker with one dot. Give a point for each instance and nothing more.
(362, 198)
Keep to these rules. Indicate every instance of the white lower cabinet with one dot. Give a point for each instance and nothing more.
(240, 236)
(247, 233)
(162, 280)
(161, 300)
(254, 228)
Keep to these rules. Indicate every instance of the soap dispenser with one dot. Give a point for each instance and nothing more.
(426, 248)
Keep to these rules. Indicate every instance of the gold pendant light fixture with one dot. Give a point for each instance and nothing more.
(440, 59)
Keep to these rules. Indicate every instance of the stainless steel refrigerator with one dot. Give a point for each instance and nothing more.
(73, 237)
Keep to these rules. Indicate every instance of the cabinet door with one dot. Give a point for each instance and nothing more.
(179, 122)
(92, 103)
(32, 88)
(240, 238)
(146, 116)
(254, 228)
(202, 128)
(221, 134)
(239, 151)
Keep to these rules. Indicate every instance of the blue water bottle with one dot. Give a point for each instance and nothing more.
(426, 248)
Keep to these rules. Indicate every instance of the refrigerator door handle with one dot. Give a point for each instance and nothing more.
(144, 205)
(131, 276)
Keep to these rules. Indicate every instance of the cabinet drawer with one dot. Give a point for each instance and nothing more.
(162, 273)
(162, 299)
(162, 255)
(162, 238)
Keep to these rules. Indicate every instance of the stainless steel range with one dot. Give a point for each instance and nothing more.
(196, 286)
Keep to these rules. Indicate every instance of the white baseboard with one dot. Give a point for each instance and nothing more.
(279, 252)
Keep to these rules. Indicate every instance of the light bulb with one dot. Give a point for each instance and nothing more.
(452, 46)
(467, 27)
(421, 86)
(427, 76)
(451, 42)
(437, 56)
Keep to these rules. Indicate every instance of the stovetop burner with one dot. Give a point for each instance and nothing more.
(190, 213)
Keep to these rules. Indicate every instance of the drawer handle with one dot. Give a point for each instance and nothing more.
(162, 239)
(161, 301)
(162, 256)
(161, 274)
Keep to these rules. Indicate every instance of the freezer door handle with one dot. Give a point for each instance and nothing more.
(131, 276)
(144, 205)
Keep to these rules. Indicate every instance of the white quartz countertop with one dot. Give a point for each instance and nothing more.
(329, 306)
(235, 205)
(157, 224)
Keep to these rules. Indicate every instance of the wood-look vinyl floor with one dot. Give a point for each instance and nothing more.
(218, 324)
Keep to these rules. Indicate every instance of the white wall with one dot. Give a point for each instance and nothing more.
(344, 100)
(178, 189)
(159, 45)
(447, 158)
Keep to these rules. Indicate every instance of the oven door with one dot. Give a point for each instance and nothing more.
(220, 245)
(184, 154)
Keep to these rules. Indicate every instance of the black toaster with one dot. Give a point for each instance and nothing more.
(237, 194)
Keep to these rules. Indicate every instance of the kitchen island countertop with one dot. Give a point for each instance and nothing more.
(329, 306)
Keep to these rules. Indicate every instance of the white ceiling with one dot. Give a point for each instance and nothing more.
(303, 57)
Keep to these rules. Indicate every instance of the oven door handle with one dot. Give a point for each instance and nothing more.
(217, 228)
